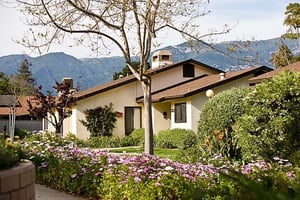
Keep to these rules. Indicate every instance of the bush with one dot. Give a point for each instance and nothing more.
(216, 120)
(271, 123)
(176, 138)
(100, 121)
(110, 142)
(295, 158)
(10, 154)
(21, 133)
(138, 136)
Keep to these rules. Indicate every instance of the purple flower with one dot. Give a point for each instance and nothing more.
(98, 173)
(137, 179)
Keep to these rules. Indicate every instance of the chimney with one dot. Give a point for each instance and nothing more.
(222, 76)
(161, 59)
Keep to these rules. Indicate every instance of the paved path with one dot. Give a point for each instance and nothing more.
(44, 193)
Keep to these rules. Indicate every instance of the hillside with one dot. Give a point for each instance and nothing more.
(89, 72)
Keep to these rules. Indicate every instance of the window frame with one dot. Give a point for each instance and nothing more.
(180, 110)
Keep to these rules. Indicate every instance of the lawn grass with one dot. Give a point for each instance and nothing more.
(164, 153)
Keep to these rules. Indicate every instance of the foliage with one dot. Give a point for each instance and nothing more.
(270, 125)
(4, 84)
(10, 154)
(23, 83)
(138, 136)
(193, 154)
(175, 138)
(21, 133)
(216, 120)
(282, 57)
(53, 108)
(101, 175)
(295, 158)
(292, 20)
(109, 142)
(100, 121)
(126, 71)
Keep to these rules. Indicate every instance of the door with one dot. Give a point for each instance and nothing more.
(132, 119)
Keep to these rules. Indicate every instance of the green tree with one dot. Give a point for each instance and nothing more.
(126, 71)
(217, 117)
(100, 121)
(53, 108)
(131, 26)
(271, 123)
(292, 20)
(24, 72)
(282, 57)
(4, 84)
(23, 83)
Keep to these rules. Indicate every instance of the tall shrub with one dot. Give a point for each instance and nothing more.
(271, 124)
(216, 120)
(100, 121)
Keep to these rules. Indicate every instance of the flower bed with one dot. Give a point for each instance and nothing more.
(102, 175)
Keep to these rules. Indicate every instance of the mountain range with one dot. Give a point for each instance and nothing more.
(89, 72)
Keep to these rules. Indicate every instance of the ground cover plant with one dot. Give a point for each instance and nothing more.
(102, 175)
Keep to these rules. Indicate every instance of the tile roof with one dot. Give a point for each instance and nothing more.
(202, 84)
(21, 108)
(131, 78)
(292, 67)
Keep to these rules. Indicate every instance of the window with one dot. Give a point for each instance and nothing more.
(180, 112)
(188, 70)
(154, 58)
(165, 57)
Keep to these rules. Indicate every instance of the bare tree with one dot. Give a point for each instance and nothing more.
(130, 25)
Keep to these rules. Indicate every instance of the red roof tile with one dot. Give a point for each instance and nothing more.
(21, 109)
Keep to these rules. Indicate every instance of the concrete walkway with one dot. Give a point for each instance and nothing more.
(44, 193)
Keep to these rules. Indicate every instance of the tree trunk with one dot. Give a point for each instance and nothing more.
(146, 85)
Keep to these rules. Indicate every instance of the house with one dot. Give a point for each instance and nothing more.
(10, 105)
(178, 94)
(295, 67)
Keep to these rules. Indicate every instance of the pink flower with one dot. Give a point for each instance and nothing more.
(137, 179)
(74, 176)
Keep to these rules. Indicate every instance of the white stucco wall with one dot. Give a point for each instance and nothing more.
(126, 96)
(159, 122)
(195, 103)
(120, 97)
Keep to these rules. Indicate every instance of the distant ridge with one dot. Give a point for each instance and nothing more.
(89, 72)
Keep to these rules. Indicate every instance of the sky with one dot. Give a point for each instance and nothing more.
(252, 20)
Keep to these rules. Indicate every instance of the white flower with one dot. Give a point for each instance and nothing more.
(169, 168)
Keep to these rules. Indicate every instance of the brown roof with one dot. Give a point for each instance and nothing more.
(292, 67)
(131, 78)
(202, 84)
(21, 105)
